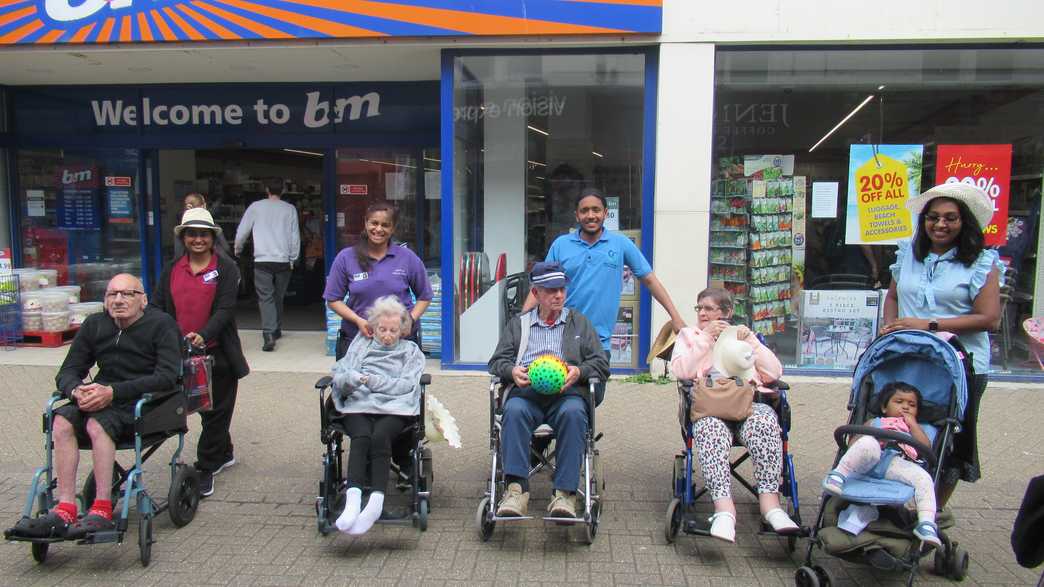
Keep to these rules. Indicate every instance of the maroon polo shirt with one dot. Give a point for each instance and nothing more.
(193, 294)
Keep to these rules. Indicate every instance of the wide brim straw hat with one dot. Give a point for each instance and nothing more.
(197, 218)
(973, 197)
(663, 346)
(732, 357)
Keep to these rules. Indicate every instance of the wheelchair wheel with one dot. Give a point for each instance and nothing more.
(183, 497)
(826, 578)
(483, 519)
(591, 528)
(39, 550)
(145, 529)
(422, 515)
(673, 522)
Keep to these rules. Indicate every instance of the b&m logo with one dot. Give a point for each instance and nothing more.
(66, 11)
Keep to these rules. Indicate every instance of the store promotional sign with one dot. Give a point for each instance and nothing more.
(987, 167)
(57, 22)
(881, 179)
(77, 201)
(836, 326)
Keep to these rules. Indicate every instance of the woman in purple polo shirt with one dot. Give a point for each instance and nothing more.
(371, 269)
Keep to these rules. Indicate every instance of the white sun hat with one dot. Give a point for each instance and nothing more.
(973, 197)
(733, 357)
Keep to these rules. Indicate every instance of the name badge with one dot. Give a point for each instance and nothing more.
(360, 276)
(210, 276)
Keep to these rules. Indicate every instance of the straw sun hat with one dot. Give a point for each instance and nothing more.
(663, 346)
(974, 198)
(196, 218)
(733, 357)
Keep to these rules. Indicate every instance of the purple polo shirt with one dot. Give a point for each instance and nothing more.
(398, 274)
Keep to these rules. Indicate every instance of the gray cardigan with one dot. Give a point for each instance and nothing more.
(581, 347)
(393, 385)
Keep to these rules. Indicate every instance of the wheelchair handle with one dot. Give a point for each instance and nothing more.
(324, 382)
(923, 451)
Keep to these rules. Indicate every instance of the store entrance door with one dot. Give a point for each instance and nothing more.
(232, 179)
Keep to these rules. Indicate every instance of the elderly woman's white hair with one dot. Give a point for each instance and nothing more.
(390, 306)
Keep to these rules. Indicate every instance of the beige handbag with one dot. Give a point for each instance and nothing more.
(730, 399)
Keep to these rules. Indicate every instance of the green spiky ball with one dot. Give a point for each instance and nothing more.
(547, 374)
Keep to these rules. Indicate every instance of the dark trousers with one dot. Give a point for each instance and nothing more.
(372, 436)
(215, 442)
(270, 282)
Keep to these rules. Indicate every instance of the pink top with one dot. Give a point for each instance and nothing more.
(898, 425)
(693, 357)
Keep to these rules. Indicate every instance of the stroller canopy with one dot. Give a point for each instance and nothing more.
(922, 359)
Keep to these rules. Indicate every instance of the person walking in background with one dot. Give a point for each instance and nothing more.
(198, 289)
(277, 243)
(374, 268)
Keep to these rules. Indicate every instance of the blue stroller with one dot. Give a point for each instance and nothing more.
(941, 370)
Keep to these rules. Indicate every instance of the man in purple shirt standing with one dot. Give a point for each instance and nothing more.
(371, 269)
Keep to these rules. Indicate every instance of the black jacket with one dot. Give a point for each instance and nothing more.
(144, 358)
(581, 348)
(1027, 536)
(221, 326)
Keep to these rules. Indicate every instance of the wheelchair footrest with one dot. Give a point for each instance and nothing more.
(395, 517)
(103, 537)
(511, 518)
(11, 536)
(564, 521)
(698, 526)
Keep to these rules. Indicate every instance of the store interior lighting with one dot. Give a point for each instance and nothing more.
(844, 120)
(538, 130)
(300, 152)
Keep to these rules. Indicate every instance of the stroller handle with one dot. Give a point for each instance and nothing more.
(923, 451)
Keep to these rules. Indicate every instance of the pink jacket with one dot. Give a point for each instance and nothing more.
(693, 357)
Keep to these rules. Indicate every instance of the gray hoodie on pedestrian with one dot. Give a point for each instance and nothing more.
(393, 378)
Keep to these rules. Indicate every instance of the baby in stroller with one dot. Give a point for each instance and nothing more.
(376, 389)
(890, 460)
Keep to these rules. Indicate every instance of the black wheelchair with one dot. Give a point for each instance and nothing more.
(411, 467)
(542, 457)
(157, 417)
(681, 511)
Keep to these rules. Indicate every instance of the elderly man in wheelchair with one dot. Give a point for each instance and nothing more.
(137, 352)
(550, 328)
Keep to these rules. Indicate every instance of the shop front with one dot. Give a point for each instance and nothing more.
(815, 153)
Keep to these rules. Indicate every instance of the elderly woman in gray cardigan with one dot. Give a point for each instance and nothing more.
(376, 389)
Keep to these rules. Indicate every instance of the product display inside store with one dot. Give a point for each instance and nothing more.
(816, 155)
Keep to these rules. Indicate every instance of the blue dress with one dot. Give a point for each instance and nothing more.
(943, 287)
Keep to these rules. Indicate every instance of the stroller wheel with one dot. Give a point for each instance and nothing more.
(40, 551)
(825, 577)
(958, 563)
(673, 522)
(940, 562)
(483, 519)
(806, 577)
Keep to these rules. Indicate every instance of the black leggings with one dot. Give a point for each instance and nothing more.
(372, 436)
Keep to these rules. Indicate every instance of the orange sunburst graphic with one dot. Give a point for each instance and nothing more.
(152, 21)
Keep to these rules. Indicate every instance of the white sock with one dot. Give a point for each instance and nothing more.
(370, 514)
(352, 503)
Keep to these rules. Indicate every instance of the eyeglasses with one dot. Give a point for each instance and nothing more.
(130, 293)
(933, 218)
(707, 308)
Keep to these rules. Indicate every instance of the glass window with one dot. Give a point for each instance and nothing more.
(78, 212)
(529, 132)
(792, 128)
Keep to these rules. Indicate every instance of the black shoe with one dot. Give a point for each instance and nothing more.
(277, 333)
(206, 483)
(89, 524)
(269, 342)
(49, 525)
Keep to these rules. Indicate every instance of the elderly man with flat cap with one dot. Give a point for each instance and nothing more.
(549, 328)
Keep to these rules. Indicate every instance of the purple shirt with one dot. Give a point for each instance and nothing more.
(398, 274)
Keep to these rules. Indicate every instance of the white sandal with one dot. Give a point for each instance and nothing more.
(723, 526)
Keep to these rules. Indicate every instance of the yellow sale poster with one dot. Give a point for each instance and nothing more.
(882, 178)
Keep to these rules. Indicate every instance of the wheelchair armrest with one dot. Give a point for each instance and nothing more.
(153, 398)
(426, 379)
(778, 385)
(324, 382)
(923, 451)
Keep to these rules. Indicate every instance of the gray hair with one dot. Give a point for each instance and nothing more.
(390, 306)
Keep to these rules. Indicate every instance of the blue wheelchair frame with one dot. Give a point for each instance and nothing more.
(681, 514)
(182, 498)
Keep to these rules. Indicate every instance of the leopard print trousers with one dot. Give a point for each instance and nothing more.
(760, 433)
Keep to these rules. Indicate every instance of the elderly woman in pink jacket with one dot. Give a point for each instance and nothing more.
(760, 432)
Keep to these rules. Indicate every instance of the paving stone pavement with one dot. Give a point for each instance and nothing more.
(259, 526)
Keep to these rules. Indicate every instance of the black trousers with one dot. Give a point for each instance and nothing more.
(965, 464)
(215, 442)
(372, 436)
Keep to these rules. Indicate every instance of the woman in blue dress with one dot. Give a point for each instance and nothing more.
(946, 280)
